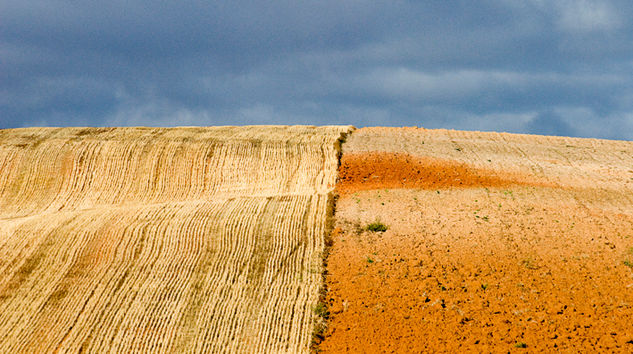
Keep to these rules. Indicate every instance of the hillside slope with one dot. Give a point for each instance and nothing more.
(495, 243)
(162, 240)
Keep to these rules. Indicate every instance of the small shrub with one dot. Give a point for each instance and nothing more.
(321, 310)
(629, 258)
(521, 345)
(377, 226)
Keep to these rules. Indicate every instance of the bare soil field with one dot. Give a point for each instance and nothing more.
(495, 243)
(163, 240)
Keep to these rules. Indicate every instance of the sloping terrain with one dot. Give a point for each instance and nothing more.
(495, 243)
(211, 239)
(163, 240)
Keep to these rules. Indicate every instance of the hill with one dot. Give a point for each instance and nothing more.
(213, 240)
(494, 243)
(163, 240)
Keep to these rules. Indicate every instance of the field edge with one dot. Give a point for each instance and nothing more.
(321, 309)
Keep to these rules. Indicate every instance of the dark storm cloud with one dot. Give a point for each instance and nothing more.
(534, 66)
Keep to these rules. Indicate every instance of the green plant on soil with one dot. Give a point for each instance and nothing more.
(320, 325)
(629, 258)
(377, 226)
(322, 311)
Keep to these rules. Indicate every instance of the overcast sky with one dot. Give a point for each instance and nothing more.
(561, 67)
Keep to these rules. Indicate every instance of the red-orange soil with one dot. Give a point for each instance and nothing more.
(380, 170)
(478, 259)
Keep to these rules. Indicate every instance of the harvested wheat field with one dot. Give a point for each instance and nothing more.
(163, 240)
(495, 243)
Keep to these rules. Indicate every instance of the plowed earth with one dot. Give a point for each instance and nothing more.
(380, 170)
(495, 243)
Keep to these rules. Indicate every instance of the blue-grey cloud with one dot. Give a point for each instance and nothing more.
(534, 66)
(550, 123)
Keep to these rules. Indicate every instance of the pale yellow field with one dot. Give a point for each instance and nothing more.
(163, 240)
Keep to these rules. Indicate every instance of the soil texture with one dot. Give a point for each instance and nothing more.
(523, 244)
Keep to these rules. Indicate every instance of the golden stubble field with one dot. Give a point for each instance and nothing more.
(495, 243)
(163, 240)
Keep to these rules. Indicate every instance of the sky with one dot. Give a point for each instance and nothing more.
(560, 67)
